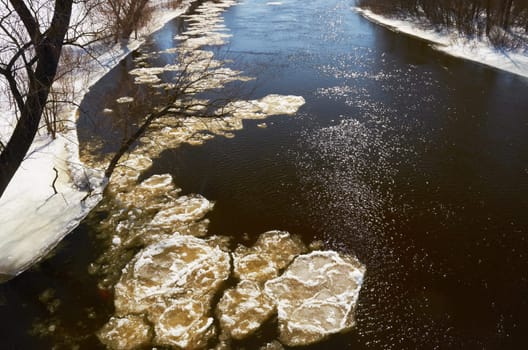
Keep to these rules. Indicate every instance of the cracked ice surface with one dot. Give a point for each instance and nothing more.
(126, 333)
(316, 296)
(172, 283)
(273, 251)
(243, 309)
(144, 214)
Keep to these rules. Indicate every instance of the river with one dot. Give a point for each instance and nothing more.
(414, 161)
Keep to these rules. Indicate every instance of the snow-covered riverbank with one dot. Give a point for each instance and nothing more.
(33, 217)
(451, 43)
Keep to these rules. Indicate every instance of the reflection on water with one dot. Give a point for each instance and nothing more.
(409, 159)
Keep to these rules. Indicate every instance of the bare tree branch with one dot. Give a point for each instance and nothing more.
(47, 52)
(28, 19)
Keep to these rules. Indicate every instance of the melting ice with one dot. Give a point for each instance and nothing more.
(172, 284)
(167, 289)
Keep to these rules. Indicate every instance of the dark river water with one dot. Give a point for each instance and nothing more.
(414, 161)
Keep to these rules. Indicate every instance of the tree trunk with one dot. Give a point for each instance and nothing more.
(133, 16)
(488, 18)
(506, 14)
(48, 49)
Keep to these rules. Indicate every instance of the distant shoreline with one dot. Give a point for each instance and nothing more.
(451, 43)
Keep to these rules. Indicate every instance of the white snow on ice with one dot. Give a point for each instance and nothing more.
(33, 219)
(481, 51)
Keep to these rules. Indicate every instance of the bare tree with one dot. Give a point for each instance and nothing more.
(123, 17)
(28, 64)
(34, 69)
(499, 20)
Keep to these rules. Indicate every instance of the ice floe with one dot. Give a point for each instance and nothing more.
(184, 209)
(185, 324)
(124, 99)
(316, 296)
(126, 333)
(131, 223)
(243, 309)
(195, 71)
(172, 283)
(272, 252)
(267, 106)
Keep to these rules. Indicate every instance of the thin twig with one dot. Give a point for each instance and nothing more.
(55, 180)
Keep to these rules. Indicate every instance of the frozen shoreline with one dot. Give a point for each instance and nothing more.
(33, 218)
(480, 51)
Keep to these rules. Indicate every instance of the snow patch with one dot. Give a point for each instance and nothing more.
(34, 219)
